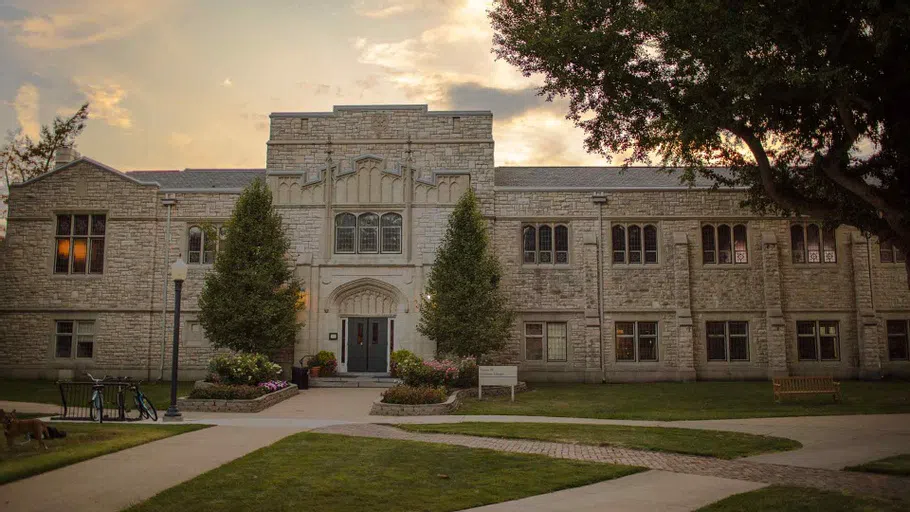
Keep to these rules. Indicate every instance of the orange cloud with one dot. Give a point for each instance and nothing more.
(26, 107)
(104, 98)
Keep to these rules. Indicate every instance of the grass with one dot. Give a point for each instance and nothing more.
(82, 442)
(724, 445)
(897, 465)
(47, 392)
(801, 499)
(690, 401)
(339, 473)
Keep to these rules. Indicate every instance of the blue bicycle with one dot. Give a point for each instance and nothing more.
(96, 404)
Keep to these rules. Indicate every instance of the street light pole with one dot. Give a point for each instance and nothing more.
(178, 274)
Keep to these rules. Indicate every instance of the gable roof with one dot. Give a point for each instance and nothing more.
(201, 179)
(85, 159)
(589, 178)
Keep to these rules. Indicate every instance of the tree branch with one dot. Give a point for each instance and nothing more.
(766, 175)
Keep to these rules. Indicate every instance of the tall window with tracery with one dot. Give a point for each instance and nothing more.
(634, 244)
(368, 233)
(809, 243)
(721, 244)
(545, 244)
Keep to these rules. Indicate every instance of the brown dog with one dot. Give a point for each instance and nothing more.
(14, 427)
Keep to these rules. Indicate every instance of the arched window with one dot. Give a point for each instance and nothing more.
(368, 233)
(650, 244)
(619, 244)
(724, 244)
(562, 244)
(813, 244)
(708, 247)
(529, 244)
(890, 253)
(810, 244)
(545, 247)
(194, 245)
(740, 244)
(391, 233)
(345, 233)
(634, 244)
(798, 243)
(545, 244)
(829, 246)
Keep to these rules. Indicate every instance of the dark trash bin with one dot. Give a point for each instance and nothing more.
(301, 377)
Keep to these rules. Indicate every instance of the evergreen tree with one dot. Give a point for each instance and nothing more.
(464, 311)
(249, 303)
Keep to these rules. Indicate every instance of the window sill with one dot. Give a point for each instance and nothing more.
(635, 266)
(817, 361)
(726, 266)
(738, 361)
(638, 363)
(548, 266)
(77, 276)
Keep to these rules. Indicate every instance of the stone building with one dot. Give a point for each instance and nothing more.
(615, 276)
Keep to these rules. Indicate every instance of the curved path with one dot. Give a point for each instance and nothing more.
(829, 444)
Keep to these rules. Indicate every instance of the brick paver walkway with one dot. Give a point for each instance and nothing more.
(860, 483)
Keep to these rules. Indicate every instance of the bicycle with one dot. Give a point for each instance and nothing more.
(143, 404)
(96, 404)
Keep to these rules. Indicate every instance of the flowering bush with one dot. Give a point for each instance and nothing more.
(400, 357)
(414, 395)
(431, 373)
(325, 360)
(229, 392)
(248, 369)
(273, 385)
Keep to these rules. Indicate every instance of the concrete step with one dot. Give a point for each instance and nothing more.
(354, 381)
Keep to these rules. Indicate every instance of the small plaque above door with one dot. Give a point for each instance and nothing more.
(333, 336)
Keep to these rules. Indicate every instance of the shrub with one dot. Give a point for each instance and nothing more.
(325, 360)
(428, 373)
(249, 369)
(273, 385)
(399, 357)
(467, 373)
(411, 395)
(229, 392)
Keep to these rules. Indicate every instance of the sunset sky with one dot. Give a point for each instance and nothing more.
(176, 84)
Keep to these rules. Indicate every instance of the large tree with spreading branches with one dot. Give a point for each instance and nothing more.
(250, 299)
(806, 103)
(464, 309)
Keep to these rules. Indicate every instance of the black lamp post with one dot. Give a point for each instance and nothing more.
(178, 274)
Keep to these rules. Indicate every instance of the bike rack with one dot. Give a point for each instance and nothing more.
(75, 398)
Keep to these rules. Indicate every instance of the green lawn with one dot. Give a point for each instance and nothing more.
(47, 392)
(897, 465)
(690, 401)
(800, 499)
(725, 445)
(83, 441)
(338, 473)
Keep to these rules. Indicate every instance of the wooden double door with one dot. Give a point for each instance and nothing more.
(368, 344)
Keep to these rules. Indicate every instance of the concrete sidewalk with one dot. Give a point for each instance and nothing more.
(117, 480)
(642, 492)
(30, 407)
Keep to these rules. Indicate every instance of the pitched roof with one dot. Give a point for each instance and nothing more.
(593, 178)
(195, 179)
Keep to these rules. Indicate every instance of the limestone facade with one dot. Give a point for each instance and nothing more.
(580, 319)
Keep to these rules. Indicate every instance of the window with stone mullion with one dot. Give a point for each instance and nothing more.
(79, 244)
(545, 245)
(898, 346)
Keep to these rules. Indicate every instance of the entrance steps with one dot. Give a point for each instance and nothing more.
(354, 380)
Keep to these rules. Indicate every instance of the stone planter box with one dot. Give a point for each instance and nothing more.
(219, 405)
(448, 407)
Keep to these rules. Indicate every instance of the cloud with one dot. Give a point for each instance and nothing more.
(26, 107)
(386, 8)
(105, 99)
(505, 103)
(227, 82)
(541, 138)
(54, 25)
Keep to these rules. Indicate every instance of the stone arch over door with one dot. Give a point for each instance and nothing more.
(366, 297)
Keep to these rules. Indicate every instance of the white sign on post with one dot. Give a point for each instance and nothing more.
(497, 376)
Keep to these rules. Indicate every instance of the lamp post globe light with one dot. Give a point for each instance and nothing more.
(178, 274)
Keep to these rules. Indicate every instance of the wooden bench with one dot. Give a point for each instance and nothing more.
(805, 386)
